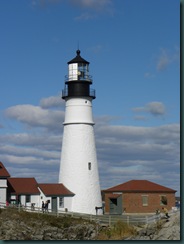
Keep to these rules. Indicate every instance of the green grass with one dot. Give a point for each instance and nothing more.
(118, 231)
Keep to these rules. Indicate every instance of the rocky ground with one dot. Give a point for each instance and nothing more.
(16, 226)
(34, 226)
(162, 230)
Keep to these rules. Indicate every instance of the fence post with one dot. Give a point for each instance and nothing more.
(147, 220)
(128, 220)
(109, 220)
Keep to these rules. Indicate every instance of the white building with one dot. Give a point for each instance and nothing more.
(58, 196)
(79, 166)
(27, 192)
(4, 175)
(23, 191)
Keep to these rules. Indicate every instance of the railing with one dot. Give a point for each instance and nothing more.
(105, 220)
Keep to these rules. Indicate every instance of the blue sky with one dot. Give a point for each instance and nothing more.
(133, 47)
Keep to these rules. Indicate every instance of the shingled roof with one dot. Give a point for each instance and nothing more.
(23, 186)
(3, 171)
(139, 186)
(56, 189)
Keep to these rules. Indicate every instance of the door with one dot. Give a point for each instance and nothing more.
(115, 205)
(54, 204)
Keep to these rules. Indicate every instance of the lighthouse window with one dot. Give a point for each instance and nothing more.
(89, 165)
(82, 71)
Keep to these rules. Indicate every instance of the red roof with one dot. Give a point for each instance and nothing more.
(139, 186)
(3, 171)
(54, 189)
(23, 186)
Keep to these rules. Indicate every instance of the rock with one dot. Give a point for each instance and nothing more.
(162, 230)
(15, 227)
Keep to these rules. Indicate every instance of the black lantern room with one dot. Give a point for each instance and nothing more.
(78, 80)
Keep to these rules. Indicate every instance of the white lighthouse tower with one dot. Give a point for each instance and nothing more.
(79, 166)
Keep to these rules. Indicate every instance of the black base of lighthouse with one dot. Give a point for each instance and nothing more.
(78, 89)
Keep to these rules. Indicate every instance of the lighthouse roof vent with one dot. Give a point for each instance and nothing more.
(78, 59)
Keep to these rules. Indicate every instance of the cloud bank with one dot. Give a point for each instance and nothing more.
(124, 152)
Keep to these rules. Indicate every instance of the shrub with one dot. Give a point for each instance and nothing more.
(118, 231)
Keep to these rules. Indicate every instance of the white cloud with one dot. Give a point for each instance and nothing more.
(92, 4)
(51, 102)
(124, 152)
(167, 57)
(44, 3)
(85, 16)
(39, 140)
(154, 108)
(140, 118)
(148, 75)
(96, 49)
(35, 116)
(92, 8)
(28, 152)
(95, 5)
(132, 152)
(163, 60)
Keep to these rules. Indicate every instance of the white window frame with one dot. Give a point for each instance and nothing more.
(144, 200)
(61, 202)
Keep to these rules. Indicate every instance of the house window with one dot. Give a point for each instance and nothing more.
(144, 200)
(61, 202)
(28, 198)
(163, 200)
(89, 166)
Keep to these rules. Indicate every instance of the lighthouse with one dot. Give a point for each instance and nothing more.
(79, 166)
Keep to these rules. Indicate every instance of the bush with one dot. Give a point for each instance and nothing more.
(118, 231)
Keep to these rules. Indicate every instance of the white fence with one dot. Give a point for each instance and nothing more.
(106, 220)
